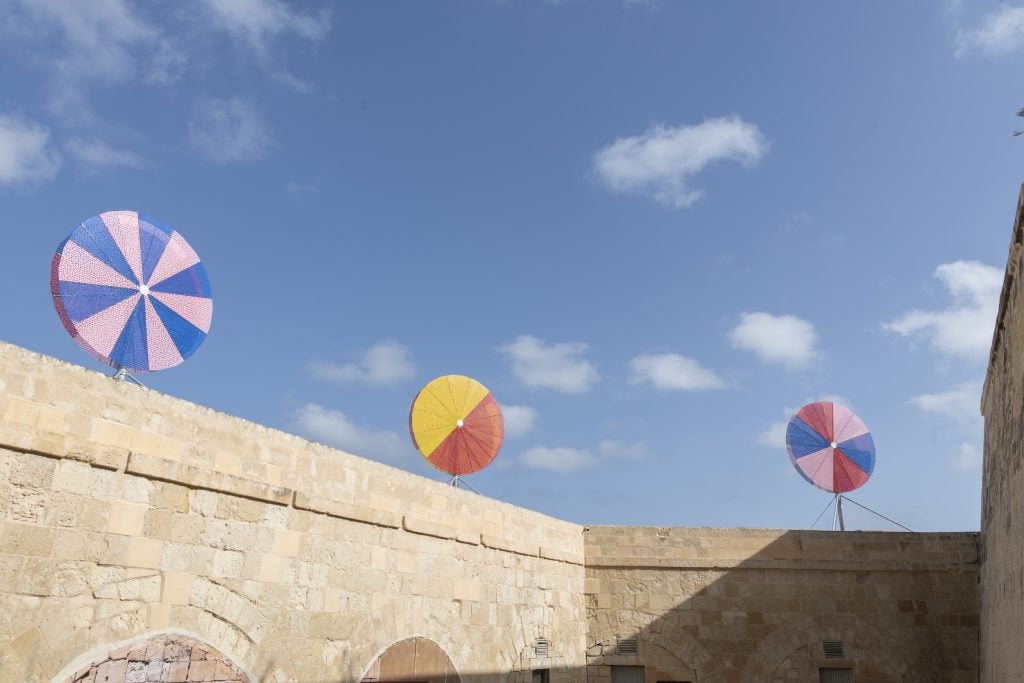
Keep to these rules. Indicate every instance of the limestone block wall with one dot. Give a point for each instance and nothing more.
(126, 513)
(1002, 513)
(724, 605)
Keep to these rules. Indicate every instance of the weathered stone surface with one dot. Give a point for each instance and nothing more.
(1002, 509)
(292, 562)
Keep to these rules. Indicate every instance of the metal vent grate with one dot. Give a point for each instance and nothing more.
(541, 647)
(835, 675)
(626, 646)
(627, 674)
(833, 649)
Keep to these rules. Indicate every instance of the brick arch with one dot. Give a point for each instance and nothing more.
(888, 656)
(168, 657)
(215, 615)
(412, 659)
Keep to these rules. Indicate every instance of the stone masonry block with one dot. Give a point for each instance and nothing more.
(144, 552)
(96, 454)
(38, 415)
(26, 539)
(286, 542)
(72, 477)
(177, 588)
(126, 518)
(271, 568)
(112, 433)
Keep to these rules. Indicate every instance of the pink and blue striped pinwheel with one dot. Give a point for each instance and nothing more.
(131, 292)
(830, 447)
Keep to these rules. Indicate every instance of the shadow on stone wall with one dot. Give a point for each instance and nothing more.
(893, 606)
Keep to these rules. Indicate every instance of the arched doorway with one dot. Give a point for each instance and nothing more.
(413, 660)
(165, 658)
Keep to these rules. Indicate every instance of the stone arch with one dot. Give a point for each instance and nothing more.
(870, 645)
(412, 659)
(671, 637)
(214, 615)
(374, 633)
(162, 657)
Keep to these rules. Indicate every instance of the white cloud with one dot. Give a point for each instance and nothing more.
(774, 435)
(536, 363)
(386, 362)
(228, 130)
(967, 457)
(1000, 32)
(960, 403)
(334, 428)
(25, 155)
(610, 448)
(782, 339)
(561, 459)
(661, 162)
(99, 42)
(95, 154)
(261, 24)
(257, 22)
(671, 371)
(964, 330)
(519, 420)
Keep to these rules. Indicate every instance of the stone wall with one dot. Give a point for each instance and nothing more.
(756, 605)
(126, 513)
(1002, 514)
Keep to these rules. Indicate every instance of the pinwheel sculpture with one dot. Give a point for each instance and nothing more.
(131, 292)
(832, 449)
(456, 425)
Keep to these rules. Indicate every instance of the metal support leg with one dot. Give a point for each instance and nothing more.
(122, 375)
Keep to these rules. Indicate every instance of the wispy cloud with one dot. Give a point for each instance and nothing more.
(961, 403)
(94, 154)
(229, 130)
(612, 449)
(780, 339)
(964, 329)
(670, 371)
(25, 153)
(559, 459)
(999, 32)
(558, 366)
(519, 420)
(386, 362)
(261, 25)
(103, 42)
(334, 428)
(967, 457)
(661, 162)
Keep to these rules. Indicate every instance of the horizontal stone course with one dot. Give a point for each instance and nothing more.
(155, 467)
(356, 513)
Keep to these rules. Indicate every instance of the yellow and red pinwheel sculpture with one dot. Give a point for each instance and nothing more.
(456, 424)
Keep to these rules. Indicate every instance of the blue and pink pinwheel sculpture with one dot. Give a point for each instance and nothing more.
(830, 447)
(131, 292)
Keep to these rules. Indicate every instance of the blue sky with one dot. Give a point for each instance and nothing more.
(654, 230)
